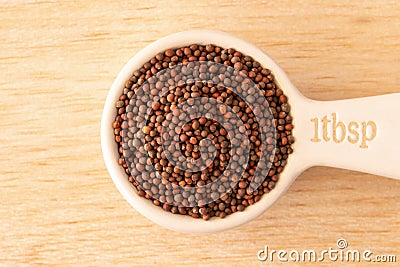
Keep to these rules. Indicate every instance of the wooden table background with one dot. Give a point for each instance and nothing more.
(59, 206)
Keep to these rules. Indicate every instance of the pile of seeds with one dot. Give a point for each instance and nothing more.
(197, 73)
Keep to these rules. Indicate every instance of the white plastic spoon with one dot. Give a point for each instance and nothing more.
(357, 134)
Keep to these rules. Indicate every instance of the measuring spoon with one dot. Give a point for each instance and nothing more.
(359, 134)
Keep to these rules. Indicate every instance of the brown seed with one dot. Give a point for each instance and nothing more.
(146, 129)
(288, 127)
(203, 211)
(238, 65)
(284, 141)
(187, 51)
(242, 184)
(120, 104)
(169, 53)
(170, 98)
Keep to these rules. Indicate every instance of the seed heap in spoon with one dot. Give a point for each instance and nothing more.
(217, 76)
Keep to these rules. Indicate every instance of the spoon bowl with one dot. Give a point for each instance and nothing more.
(357, 134)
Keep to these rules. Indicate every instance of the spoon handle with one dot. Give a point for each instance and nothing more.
(361, 134)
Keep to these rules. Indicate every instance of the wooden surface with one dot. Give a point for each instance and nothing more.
(59, 206)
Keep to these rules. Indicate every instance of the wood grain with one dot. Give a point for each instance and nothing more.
(59, 206)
